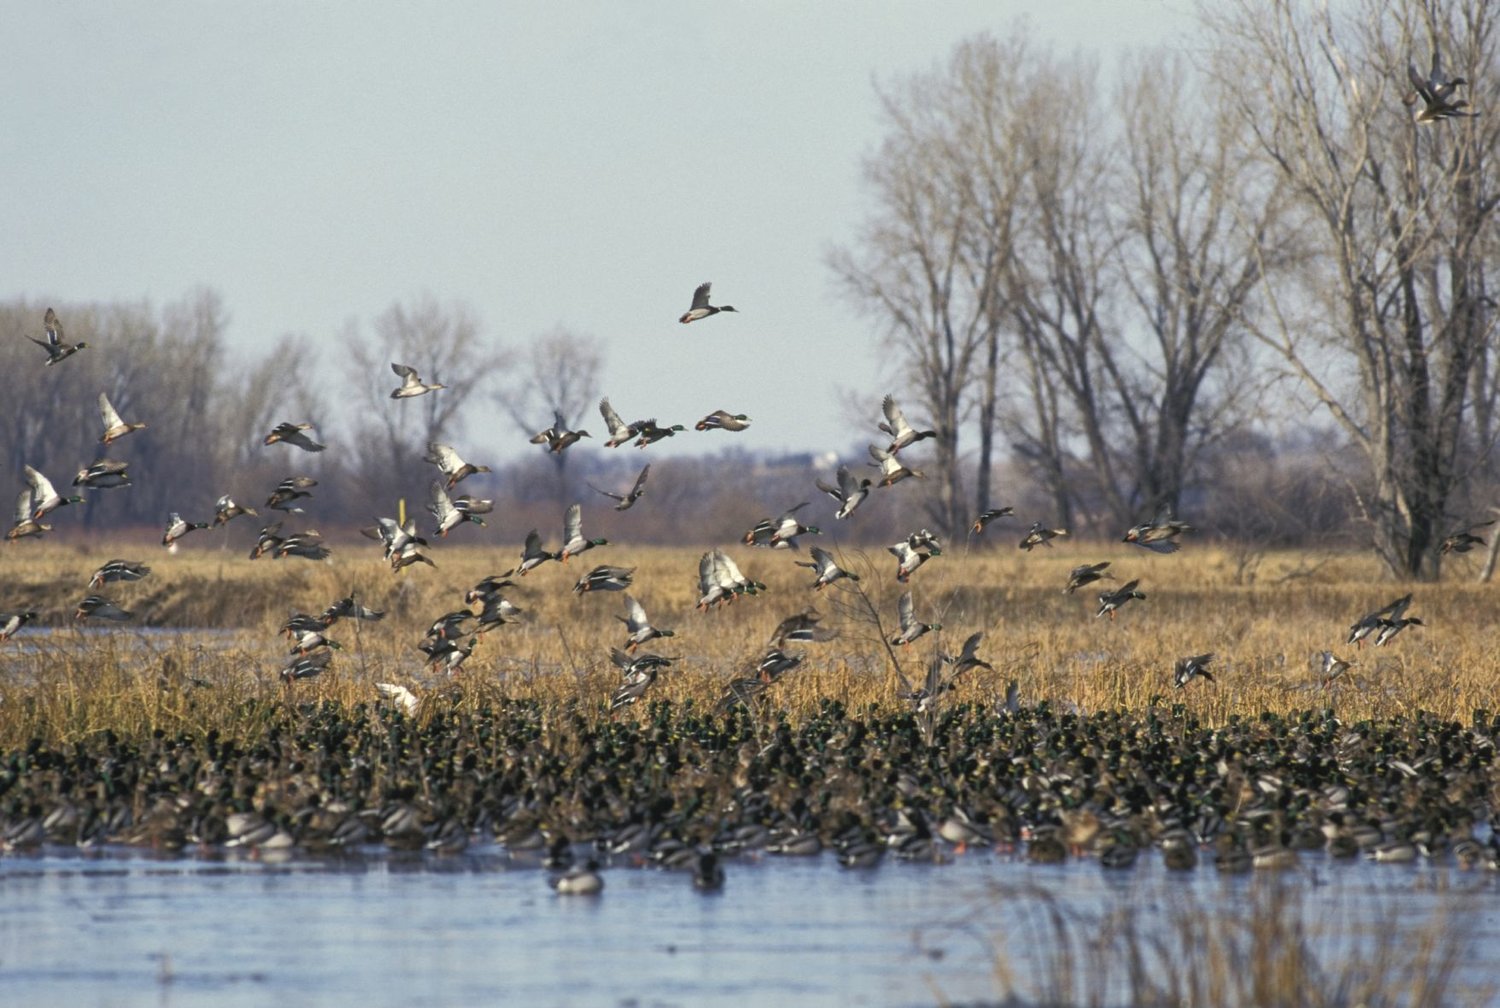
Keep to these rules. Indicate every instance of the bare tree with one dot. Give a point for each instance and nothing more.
(1398, 220)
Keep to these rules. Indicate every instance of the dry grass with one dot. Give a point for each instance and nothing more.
(60, 684)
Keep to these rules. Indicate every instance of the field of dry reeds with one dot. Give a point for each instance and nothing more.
(204, 636)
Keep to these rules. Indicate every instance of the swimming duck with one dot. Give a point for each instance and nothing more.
(908, 558)
(901, 432)
(44, 497)
(637, 627)
(1158, 535)
(290, 433)
(1464, 540)
(708, 873)
(701, 309)
(911, 627)
(1109, 602)
(573, 541)
(26, 523)
(580, 880)
(649, 433)
(891, 469)
(619, 431)
(558, 436)
(1371, 622)
(103, 608)
(849, 492)
(11, 622)
(56, 348)
(1187, 668)
(290, 489)
(114, 427)
(623, 501)
(103, 474)
(411, 382)
(989, 516)
(1086, 574)
(177, 527)
(226, 510)
(827, 568)
(723, 420)
(118, 570)
(532, 554)
(450, 463)
(1436, 94)
(1040, 535)
(802, 626)
(605, 578)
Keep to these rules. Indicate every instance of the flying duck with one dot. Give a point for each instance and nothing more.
(117, 570)
(701, 309)
(901, 432)
(411, 382)
(827, 568)
(911, 627)
(573, 541)
(177, 528)
(226, 510)
(44, 497)
(1158, 536)
(114, 427)
(637, 626)
(605, 578)
(849, 492)
(1187, 668)
(626, 499)
(619, 431)
(103, 474)
(650, 433)
(558, 436)
(1109, 602)
(1086, 574)
(989, 516)
(891, 469)
(56, 348)
(1040, 535)
(450, 463)
(288, 490)
(290, 433)
(723, 420)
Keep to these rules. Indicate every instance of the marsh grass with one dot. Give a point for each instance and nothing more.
(59, 683)
(1277, 943)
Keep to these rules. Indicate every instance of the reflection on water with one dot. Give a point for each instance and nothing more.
(481, 929)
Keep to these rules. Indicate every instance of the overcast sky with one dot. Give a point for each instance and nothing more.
(575, 164)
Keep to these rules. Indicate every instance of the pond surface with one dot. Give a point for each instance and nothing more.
(123, 929)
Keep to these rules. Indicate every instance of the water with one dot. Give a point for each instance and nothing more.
(386, 930)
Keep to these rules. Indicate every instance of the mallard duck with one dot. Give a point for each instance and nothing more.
(849, 492)
(114, 427)
(11, 622)
(1333, 666)
(470, 508)
(723, 420)
(290, 433)
(630, 664)
(909, 558)
(490, 586)
(394, 535)
(290, 489)
(911, 627)
(802, 626)
(310, 639)
(267, 541)
(637, 627)
(619, 431)
(634, 687)
(1464, 540)
(891, 469)
(940, 679)
(348, 608)
(1110, 602)
(782, 532)
(1086, 574)
(407, 554)
(901, 432)
(649, 433)
(1158, 535)
(558, 436)
(226, 510)
(1371, 622)
(44, 497)
(573, 541)
(497, 611)
(447, 653)
(118, 570)
(103, 608)
(776, 663)
(56, 348)
(103, 474)
(988, 516)
(720, 580)
(411, 382)
(1390, 627)
(1187, 668)
(309, 545)
(623, 501)
(701, 309)
(450, 463)
(26, 523)
(827, 568)
(1435, 93)
(452, 626)
(708, 873)
(605, 578)
(177, 527)
(441, 507)
(580, 880)
(1040, 535)
(532, 554)
(308, 666)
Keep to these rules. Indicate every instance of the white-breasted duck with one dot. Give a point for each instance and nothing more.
(1189, 668)
(619, 431)
(901, 432)
(911, 627)
(1374, 621)
(574, 542)
(701, 309)
(118, 570)
(1040, 535)
(177, 527)
(849, 492)
(411, 382)
(57, 348)
(114, 427)
(226, 510)
(558, 437)
(1111, 601)
(826, 567)
(11, 622)
(450, 463)
(891, 469)
(44, 497)
(637, 627)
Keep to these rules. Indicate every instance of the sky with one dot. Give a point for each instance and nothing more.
(582, 165)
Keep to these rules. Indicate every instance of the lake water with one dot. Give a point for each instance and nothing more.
(124, 929)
